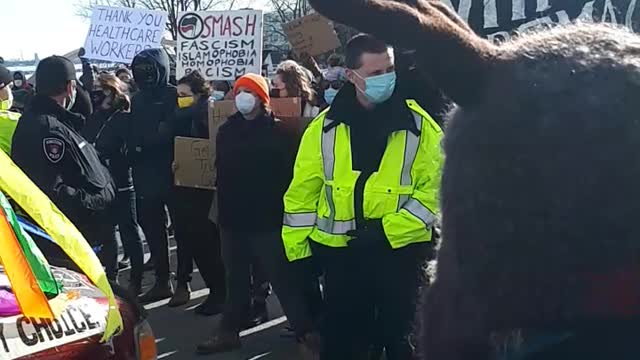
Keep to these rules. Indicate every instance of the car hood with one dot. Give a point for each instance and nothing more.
(81, 312)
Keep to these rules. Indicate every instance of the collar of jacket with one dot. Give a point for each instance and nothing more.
(345, 105)
(264, 119)
(47, 106)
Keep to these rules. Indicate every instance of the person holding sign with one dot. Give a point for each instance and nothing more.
(198, 238)
(292, 81)
(253, 163)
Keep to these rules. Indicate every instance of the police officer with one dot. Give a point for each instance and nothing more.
(363, 201)
(49, 149)
(8, 119)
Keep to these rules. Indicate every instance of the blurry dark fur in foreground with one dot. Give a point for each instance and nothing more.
(541, 183)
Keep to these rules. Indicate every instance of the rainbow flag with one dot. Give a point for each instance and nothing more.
(24, 283)
(34, 202)
(37, 262)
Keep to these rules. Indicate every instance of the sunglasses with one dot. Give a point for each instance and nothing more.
(336, 85)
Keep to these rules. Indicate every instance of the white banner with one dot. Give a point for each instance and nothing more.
(119, 34)
(221, 45)
(21, 336)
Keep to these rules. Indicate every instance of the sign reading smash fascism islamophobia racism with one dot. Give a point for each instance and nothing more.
(119, 34)
(221, 45)
(499, 19)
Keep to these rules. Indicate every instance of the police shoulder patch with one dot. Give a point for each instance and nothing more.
(53, 149)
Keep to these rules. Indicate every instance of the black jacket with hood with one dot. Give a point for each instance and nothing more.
(152, 115)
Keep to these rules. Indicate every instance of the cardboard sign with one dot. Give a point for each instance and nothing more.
(21, 336)
(119, 34)
(221, 45)
(499, 20)
(193, 161)
(286, 107)
(312, 34)
(219, 112)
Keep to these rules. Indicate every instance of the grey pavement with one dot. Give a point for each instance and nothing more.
(179, 330)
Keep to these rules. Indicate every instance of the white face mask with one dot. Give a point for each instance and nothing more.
(245, 103)
(72, 101)
(17, 83)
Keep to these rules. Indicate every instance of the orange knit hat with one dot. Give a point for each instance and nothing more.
(255, 83)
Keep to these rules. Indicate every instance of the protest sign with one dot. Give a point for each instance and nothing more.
(193, 163)
(21, 336)
(286, 107)
(498, 20)
(221, 45)
(311, 34)
(119, 34)
(219, 111)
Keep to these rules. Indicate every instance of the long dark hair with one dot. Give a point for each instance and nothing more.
(198, 85)
(296, 81)
(119, 91)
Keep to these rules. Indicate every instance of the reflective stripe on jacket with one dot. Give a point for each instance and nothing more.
(319, 203)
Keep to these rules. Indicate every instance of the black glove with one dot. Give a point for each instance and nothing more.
(370, 233)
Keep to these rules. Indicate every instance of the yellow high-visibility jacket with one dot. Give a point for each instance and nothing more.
(8, 123)
(319, 203)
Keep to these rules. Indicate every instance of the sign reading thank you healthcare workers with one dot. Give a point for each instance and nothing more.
(119, 34)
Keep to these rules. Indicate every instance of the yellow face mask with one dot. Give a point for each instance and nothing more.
(185, 101)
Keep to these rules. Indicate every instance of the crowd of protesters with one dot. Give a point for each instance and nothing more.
(129, 117)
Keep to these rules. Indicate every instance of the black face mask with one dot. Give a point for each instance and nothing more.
(146, 74)
(274, 93)
(97, 97)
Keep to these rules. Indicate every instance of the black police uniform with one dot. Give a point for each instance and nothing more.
(48, 148)
(65, 166)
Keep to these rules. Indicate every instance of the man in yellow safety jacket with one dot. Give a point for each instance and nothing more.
(363, 202)
(8, 119)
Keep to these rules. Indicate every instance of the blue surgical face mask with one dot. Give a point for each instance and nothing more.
(217, 95)
(329, 95)
(379, 88)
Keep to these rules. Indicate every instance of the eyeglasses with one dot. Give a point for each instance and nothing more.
(336, 84)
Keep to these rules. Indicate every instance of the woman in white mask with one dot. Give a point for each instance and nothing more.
(254, 159)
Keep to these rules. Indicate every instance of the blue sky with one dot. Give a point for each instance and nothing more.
(48, 27)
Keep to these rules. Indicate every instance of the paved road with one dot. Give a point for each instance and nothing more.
(179, 330)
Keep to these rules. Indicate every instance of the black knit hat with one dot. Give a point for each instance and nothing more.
(53, 73)
(5, 76)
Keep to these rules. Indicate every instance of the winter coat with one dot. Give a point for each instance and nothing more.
(150, 141)
(254, 167)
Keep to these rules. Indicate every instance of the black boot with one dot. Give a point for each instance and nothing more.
(135, 287)
(213, 305)
(159, 291)
(181, 296)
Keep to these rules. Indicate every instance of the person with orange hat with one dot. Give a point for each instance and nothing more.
(254, 159)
